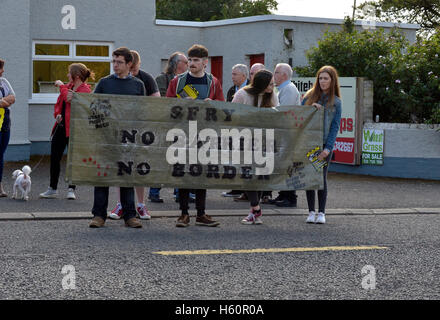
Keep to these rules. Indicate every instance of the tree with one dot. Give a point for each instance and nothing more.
(426, 13)
(208, 10)
(406, 78)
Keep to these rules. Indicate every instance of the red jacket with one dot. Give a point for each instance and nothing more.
(215, 89)
(64, 89)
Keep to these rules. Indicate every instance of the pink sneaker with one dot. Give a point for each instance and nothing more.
(258, 217)
(143, 213)
(116, 213)
(250, 219)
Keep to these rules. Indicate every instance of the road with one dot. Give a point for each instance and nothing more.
(120, 263)
(381, 241)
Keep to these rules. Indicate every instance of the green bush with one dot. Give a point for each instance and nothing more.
(420, 79)
(405, 77)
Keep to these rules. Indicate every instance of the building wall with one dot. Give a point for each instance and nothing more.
(132, 23)
(15, 50)
(410, 151)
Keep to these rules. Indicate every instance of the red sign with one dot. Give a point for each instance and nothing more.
(344, 150)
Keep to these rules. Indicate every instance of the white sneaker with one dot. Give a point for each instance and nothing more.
(49, 194)
(312, 217)
(71, 194)
(321, 218)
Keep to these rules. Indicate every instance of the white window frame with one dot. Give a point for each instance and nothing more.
(51, 98)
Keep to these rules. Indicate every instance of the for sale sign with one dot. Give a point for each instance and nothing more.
(372, 147)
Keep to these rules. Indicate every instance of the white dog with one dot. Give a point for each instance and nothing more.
(22, 182)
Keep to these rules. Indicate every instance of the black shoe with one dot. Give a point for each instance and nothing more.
(155, 198)
(242, 197)
(266, 199)
(277, 199)
(233, 193)
(286, 204)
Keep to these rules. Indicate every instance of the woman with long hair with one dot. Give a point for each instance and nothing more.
(325, 94)
(78, 75)
(259, 94)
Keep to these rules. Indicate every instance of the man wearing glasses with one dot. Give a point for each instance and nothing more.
(121, 82)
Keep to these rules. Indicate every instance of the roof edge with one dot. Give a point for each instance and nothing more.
(207, 24)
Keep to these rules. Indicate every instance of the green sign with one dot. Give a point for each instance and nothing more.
(372, 147)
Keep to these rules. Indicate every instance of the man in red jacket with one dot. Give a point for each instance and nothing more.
(207, 87)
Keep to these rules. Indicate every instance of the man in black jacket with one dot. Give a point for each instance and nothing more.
(240, 75)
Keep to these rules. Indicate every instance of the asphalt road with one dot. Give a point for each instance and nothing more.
(120, 263)
(123, 264)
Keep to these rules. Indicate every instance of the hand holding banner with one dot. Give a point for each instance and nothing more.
(166, 142)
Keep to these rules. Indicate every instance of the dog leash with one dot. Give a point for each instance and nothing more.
(50, 139)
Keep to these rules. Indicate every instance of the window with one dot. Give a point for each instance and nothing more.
(51, 59)
(288, 38)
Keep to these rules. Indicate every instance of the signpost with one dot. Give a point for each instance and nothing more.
(347, 145)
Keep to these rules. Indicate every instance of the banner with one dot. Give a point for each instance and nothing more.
(118, 140)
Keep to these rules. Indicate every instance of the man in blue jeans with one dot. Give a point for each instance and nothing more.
(121, 82)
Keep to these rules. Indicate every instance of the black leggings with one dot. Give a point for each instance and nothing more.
(254, 197)
(57, 147)
(322, 194)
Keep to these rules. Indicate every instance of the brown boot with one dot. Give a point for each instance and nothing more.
(97, 222)
(183, 221)
(133, 223)
(206, 221)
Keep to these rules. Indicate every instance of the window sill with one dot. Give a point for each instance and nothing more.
(46, 99)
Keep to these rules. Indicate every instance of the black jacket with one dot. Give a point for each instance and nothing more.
(231, 92)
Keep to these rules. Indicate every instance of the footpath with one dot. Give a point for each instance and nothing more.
(348, 195)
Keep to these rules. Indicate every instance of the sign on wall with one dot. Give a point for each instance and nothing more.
(372, 146)
(346, 142)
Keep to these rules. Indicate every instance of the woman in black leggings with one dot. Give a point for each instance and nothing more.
(259, 94)
(324, 94)
(78, 75)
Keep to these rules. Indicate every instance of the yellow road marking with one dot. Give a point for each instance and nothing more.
(268, 250)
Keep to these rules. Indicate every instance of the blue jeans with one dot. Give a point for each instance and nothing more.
(100, 203)
(154, 192)
(4, 140)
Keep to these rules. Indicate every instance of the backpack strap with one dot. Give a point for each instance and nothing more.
(181, 81)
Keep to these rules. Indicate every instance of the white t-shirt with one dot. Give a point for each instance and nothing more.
(6, 87)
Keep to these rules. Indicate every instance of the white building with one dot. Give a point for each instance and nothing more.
(40, 38)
